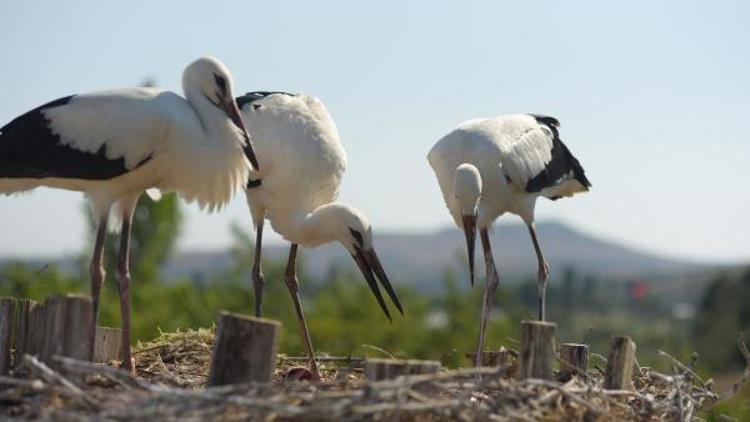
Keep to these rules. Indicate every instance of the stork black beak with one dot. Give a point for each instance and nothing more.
(233, 112)
(368, 261)
(470, 230)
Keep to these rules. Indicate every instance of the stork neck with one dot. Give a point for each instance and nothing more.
(314, 226)
(215, 123)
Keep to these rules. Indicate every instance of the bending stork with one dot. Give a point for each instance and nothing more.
(487, 167)
(114, 145)
(303, 162)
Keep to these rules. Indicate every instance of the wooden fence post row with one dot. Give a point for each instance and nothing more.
(60, 326)
(382, 369)
(67, 321)
(22, 332)
(7, 311)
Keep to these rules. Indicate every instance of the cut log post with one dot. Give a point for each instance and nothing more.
(67, 324)
(620, 364)
(537, 350)
(244, 350)
(7, 308)
(574, 358)
(381, 369)
(23, 329)
(35, 335)
(107, 344)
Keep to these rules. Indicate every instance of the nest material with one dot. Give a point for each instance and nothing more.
(173, 371)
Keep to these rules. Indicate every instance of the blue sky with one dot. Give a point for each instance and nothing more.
(652, 96)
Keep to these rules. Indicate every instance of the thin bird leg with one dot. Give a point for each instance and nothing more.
(258, 280)
(123, 278)
(96, 271)
(492, 280)
(293, 285)
(543, 274)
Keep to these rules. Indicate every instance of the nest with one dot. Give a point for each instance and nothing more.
(173, 371)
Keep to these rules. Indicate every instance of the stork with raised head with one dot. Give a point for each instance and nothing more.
(303, 162)
(114, 145)
(487, 167)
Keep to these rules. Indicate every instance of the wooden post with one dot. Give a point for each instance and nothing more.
(35, 335)
(382, 369)
(620, 364)
(7, 307)
(67, 322)
(22, 333)
(537, 349)
(244, 350)
(107, 344)
(574, 358)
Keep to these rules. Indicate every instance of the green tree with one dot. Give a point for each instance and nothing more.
(722, 314)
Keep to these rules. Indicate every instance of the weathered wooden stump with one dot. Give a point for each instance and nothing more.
(620, 364)
(22, 332)
(244, 350)
(381, 369)
(35, 336)
(67, 321)
(107, 344)
(537, 350)
(574, 358)
(7, 310)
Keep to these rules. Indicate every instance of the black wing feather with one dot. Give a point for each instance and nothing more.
(562, 163)
(257, 95)
(29, 149)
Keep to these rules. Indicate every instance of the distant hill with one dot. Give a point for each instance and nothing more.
(425, 257)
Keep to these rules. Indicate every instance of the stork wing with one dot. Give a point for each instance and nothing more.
(93, 136)
(538, 161)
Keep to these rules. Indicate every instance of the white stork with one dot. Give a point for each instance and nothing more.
(303, 162)
(114, 145)
(487, 167)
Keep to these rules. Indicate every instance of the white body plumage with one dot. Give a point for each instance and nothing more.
(160, 139)
(303, 162)
(508, 152)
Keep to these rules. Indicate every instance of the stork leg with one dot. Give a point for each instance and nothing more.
(492, 280)
(543, 274)
(258, 280)
(97, 273)
(123, 278)
(293, 285)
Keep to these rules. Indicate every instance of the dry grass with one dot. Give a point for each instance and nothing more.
(173, 370)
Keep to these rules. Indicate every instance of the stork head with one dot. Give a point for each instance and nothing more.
(352, 229)
(467, 189)
(209, 77)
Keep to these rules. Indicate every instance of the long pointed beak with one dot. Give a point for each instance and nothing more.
(470, 230)
(230, 107)
(377, 267)
(368, 261)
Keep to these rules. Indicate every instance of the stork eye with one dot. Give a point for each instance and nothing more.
(221, 83)
(357, 236)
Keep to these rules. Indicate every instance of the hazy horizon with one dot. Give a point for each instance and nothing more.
(652, 98)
